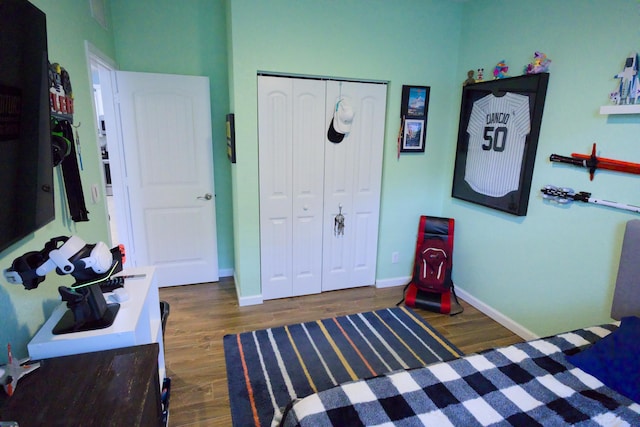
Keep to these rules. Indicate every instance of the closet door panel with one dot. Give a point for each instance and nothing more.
(275, 172)
(367, 183)
(290, 122)
(353, 171)
(308, 173)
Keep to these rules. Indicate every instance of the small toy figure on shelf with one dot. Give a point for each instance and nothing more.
(470, 79)
(629, 88)
(480, 75)
(540, 64)
(500, 71)
(13, 371)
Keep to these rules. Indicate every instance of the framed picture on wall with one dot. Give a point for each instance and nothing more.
(497, 141)
(231, 138)
(413, 116)
(413, 136)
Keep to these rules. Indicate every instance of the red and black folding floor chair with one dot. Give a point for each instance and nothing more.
(431, 286)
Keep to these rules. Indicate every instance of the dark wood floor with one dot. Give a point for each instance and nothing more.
(202, 314)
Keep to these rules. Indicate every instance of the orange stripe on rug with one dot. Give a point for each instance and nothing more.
(304, 366)
(364, 360)
(254, 410)
(346, 365)
(435, 337)
(408, 347)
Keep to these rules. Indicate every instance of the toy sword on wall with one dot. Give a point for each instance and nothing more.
(567, 195)
(592, 162)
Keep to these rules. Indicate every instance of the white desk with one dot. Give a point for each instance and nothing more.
(138, 322)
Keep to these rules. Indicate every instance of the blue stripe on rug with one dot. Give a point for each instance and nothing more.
(266, 369)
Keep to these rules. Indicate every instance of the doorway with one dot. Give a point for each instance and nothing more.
(98, 61)
(160, 194)
(160, 151)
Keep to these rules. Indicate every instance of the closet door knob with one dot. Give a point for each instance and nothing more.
(207, 196)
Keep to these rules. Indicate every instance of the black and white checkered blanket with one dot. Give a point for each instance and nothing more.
(526, 384)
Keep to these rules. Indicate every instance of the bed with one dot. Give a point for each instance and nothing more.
(586, 377)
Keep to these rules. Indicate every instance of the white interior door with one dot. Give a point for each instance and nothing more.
(291, 122)
(352, 180)
(164, 168)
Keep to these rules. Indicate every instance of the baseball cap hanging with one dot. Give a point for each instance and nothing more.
(341, 122)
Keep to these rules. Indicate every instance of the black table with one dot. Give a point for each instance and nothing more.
(118, 387)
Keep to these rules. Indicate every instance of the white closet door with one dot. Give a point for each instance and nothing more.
(353, 173)
(290, 127)
(308, 186)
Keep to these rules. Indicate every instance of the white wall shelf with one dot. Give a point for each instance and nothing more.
(620, 109)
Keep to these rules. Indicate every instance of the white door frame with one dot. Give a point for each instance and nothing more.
(96, 59)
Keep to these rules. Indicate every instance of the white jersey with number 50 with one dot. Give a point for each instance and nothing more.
(498, 127)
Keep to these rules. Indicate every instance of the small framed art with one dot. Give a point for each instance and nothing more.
(413, 137)
(231, 138)
(497, 141)
(413, 115)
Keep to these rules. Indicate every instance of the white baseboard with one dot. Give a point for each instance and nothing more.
(505, 321)
(250, 300)
(396, 281)
(385, 283)
(226, 272)
(481, 306)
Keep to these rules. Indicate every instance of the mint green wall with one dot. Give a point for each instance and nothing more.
(69, 24)
(404, 42)
(184, 37)
(555, 268)
(551, 270)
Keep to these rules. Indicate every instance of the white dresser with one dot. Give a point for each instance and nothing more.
(137, 322)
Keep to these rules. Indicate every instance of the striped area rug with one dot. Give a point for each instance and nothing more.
(266, 369)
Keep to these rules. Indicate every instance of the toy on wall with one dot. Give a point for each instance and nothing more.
(500, 70)
(567, 195)
(540, 64)
(470, 78)
(480, 75)
(592, 162)
(629, 87)
(60, 91)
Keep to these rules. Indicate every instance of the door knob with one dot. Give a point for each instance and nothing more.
(207, 196)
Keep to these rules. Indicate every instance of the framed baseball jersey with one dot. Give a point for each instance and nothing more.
(497, 140)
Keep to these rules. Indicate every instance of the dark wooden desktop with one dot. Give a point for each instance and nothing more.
(118, 387)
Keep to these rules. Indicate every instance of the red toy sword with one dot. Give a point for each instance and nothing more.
(592, 162)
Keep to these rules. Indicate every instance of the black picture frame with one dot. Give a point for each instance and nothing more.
(231, 138)
(413, 115)
(495, 156)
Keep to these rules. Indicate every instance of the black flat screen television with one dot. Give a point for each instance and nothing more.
(26, 168)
